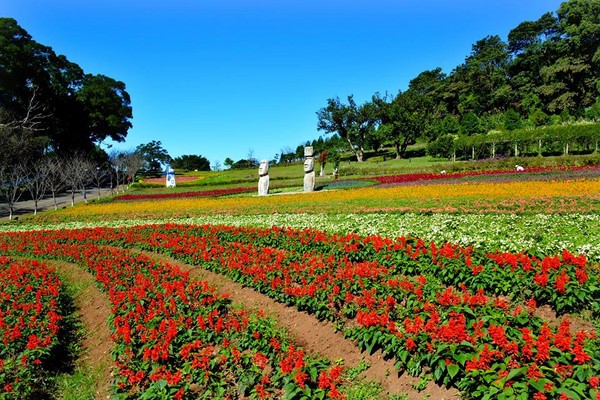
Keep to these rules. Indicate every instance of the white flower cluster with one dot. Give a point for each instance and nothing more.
(540, 233)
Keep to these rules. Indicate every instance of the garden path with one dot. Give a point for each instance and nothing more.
(317, 337)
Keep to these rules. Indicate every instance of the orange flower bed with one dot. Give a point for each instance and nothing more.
(546, 196)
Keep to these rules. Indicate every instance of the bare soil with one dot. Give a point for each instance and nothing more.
(317, 337)
(93, 309)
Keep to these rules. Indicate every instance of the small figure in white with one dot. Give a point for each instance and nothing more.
(443, 172)
(263, 180)
(170, 177)
(336, 173)
(519, 168)
(309, 170)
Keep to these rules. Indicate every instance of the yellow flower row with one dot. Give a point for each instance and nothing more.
(435, 196)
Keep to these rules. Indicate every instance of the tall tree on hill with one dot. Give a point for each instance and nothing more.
(351, 122)
(486, 70)
(154, 155)
(191, 162)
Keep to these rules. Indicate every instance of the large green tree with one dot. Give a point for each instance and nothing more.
(79, 109)
(154, 155)
(350, 121)
(191, 162)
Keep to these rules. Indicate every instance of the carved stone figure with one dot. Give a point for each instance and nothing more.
(309, 170)
(170, 177)
(263, 180)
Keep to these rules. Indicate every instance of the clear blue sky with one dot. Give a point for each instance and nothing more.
(220, 78)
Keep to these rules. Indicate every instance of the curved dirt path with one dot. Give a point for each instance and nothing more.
(93, 309)
(317, 337)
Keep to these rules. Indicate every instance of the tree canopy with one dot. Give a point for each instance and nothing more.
(75, 110)
(191, 162)
(154, 155)
(546, 72)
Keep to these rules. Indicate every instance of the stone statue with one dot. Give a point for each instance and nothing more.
(170, 177)
(309, 170)
(263, 180)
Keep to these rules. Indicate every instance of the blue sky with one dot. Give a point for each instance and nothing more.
(228, 77)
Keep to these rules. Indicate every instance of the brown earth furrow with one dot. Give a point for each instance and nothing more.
(93, 309)
(316, 337)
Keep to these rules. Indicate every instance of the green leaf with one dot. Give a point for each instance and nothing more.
(453, 370)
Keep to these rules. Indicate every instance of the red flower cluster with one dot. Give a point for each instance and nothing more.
(407, 178)
(419, 302)
(30, 318)
(184, 195)
(168, 328)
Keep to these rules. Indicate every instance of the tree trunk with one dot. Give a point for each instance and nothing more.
(359, 155)
(35, 207)
(398, 152)
(472, 152)
(72, 198)
(516, 150)
(540, 147)
(493, 150)
(55, 203)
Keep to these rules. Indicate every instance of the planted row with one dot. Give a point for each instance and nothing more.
(408, 178)
(175, 338)
(465, 336)
(31, 312)
(566, 282)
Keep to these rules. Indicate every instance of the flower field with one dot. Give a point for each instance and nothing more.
(411, 178)
(30, 321)
(174, 337)
(536, 233)
(178, 195)
(568, 196)
(470, 317)
(485, 286)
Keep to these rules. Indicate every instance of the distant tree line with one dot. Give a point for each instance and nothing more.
(546, 74)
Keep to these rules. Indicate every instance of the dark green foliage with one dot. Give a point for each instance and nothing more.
(245, 163)
(191, 162)
(469, 124)
(442, 147)
(54, 98)
(154, 155)
(512, 120)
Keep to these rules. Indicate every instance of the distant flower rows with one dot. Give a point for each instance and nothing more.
(564, 196)
(411, 178)
(184, 195)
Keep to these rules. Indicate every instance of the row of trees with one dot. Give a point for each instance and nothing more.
(546, 140)
(51, 175)
(548, 72)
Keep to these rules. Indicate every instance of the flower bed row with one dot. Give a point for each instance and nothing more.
(406, 178)
(566, 282)
(30, 321)
(538, 233)
(174, 338)
(566, 196)
(184, 195)
(394, 295)
(180, 179)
